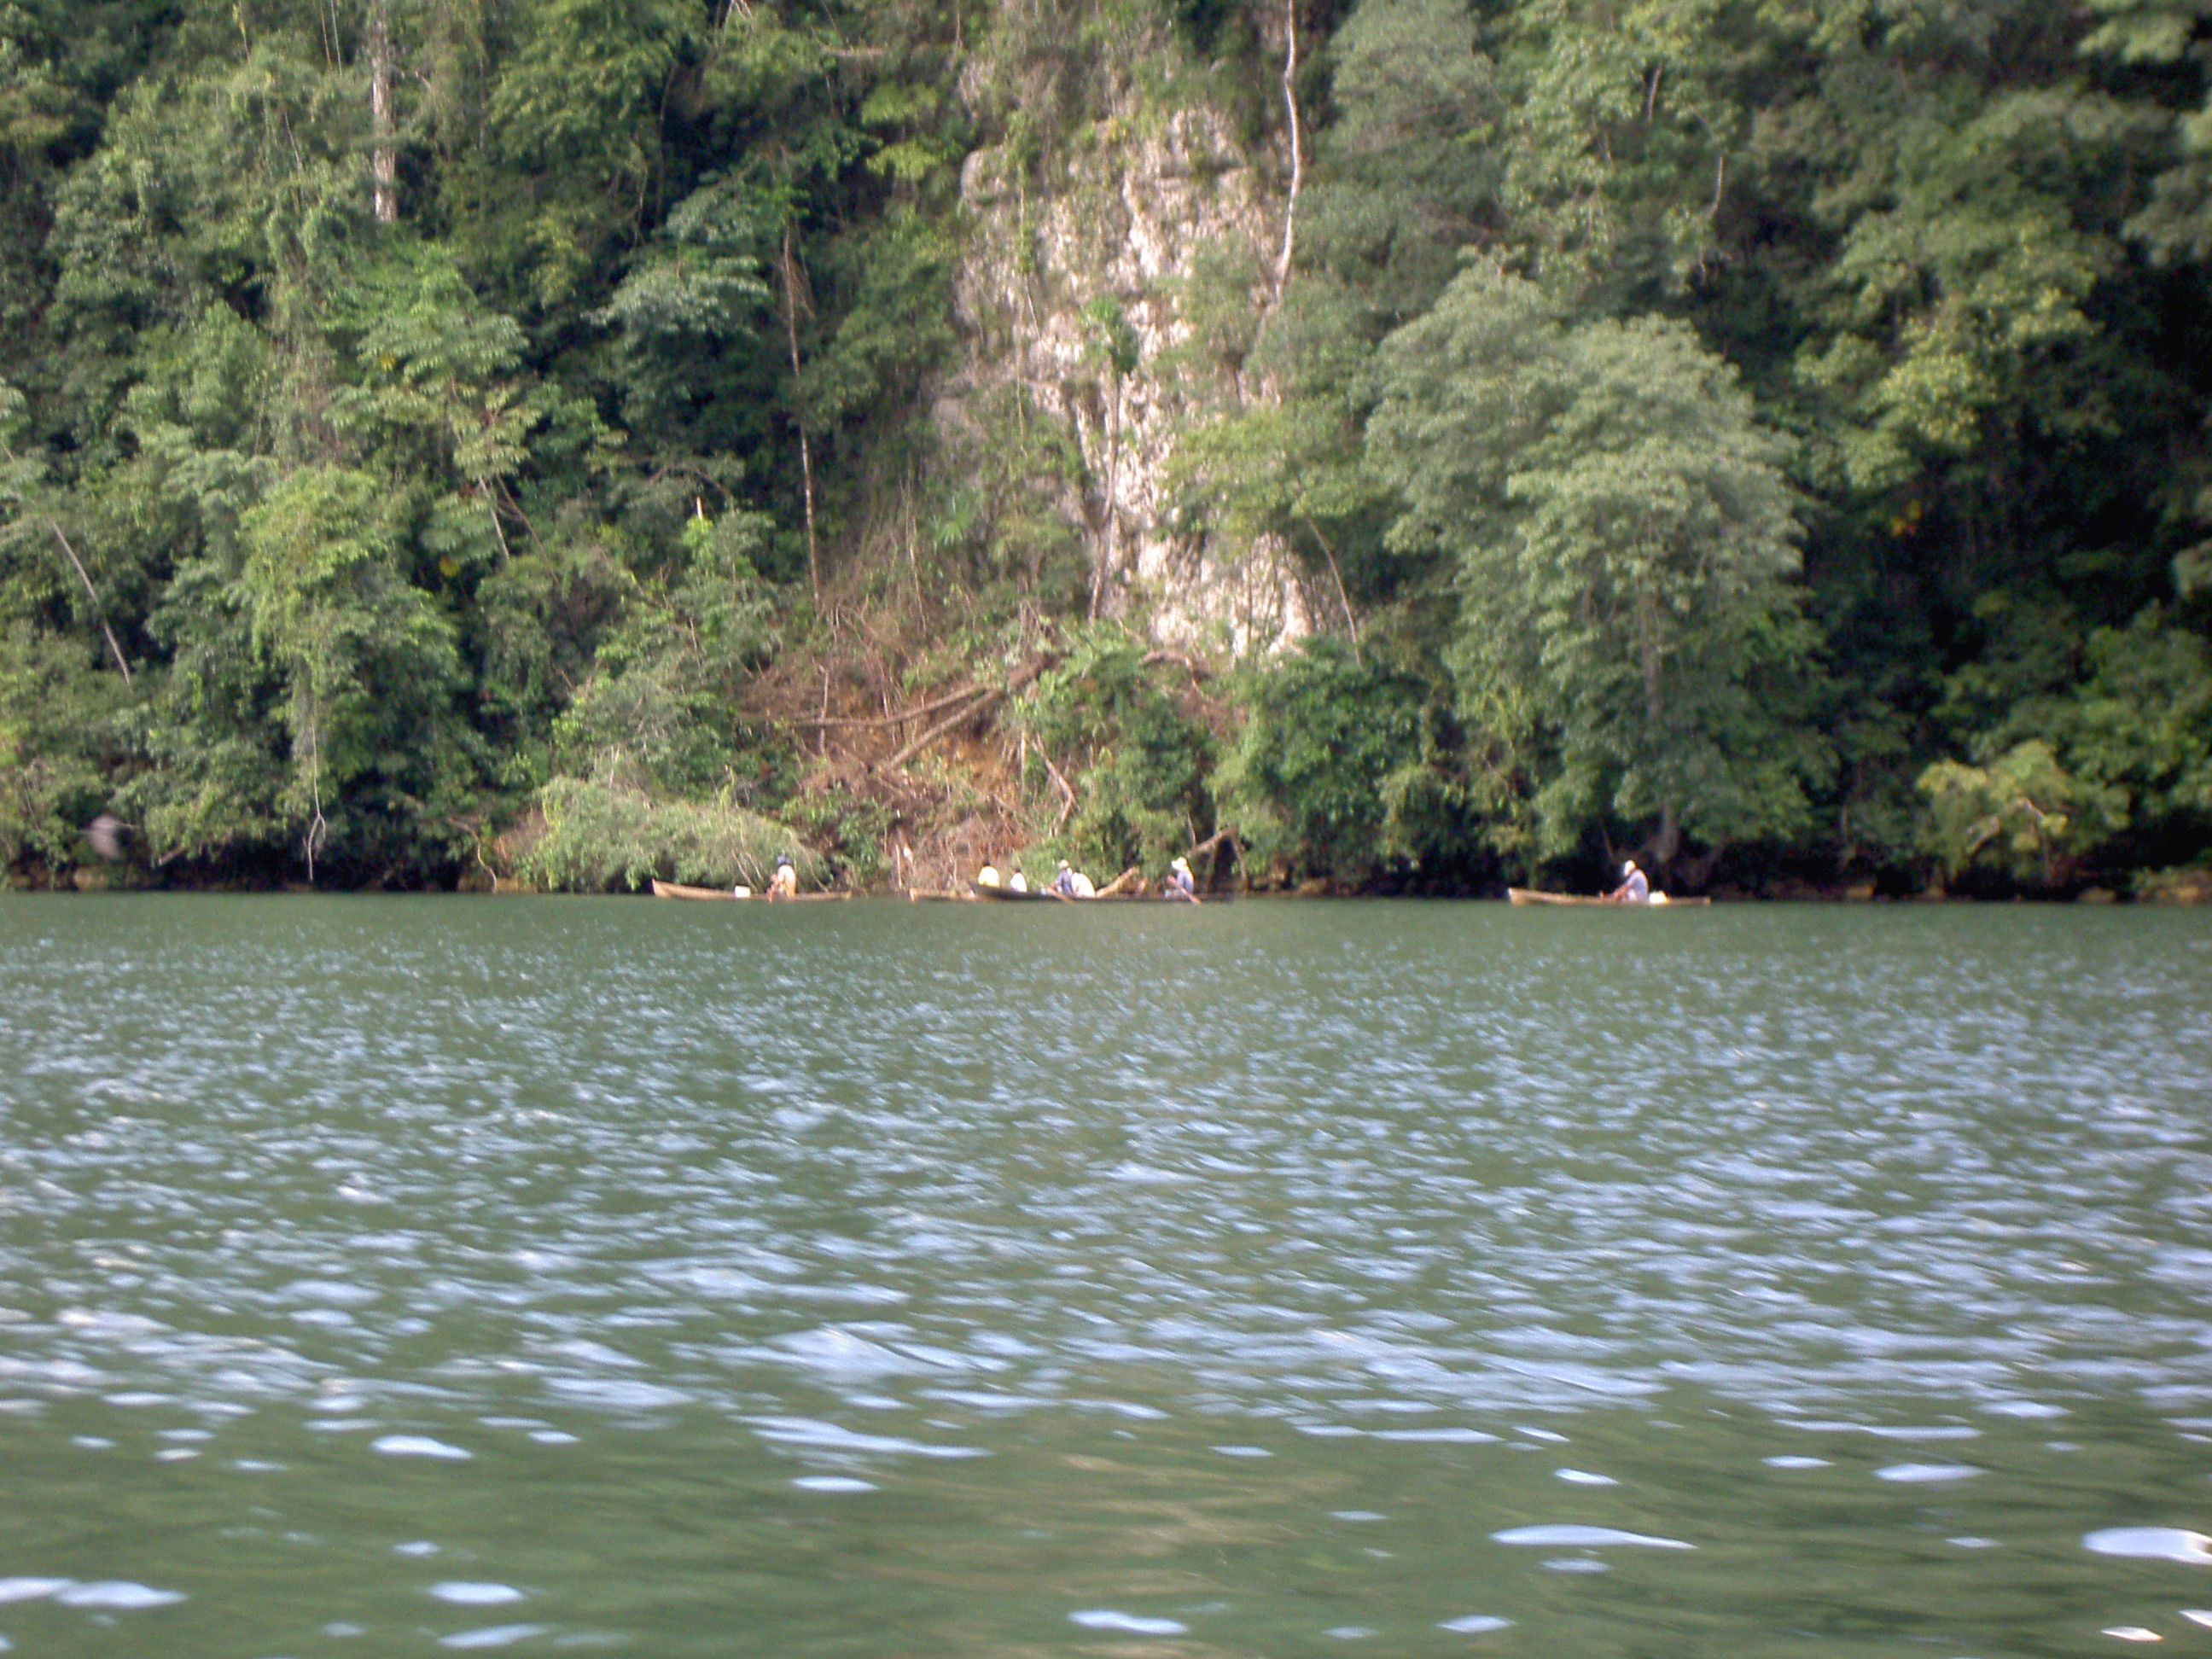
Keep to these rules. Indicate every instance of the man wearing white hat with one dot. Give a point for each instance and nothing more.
(1634, 889)
(1179, 885)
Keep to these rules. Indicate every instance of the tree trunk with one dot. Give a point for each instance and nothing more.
(806, 454)
(1297, 148)
(1344, 599)
(1668, 840)
(383, 155)
(1697, 869)
(1113, 482)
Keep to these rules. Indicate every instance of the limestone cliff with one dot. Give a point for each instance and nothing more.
(1096, 241)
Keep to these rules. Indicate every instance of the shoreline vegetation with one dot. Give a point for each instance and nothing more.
(2185, 894)
(1390, 447)
(2164, 888)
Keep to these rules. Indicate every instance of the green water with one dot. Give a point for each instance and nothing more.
(400, 1276)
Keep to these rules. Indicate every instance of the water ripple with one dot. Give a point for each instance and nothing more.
(572, 1232)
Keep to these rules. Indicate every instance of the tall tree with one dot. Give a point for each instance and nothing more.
(1624, 536)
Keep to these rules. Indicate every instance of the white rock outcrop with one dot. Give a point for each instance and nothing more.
(1123, 215)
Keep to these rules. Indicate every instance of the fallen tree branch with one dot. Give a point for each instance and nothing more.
(91, 592)
(1053, 772)
(1018, 681)
(940, 729)
(1215, 840)
(898, 719)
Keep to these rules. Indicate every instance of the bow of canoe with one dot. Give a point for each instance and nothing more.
(676, 889)
(673, 889)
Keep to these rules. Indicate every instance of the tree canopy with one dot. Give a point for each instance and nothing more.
(554, 439)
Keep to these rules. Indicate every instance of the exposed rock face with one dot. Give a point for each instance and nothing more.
(1121, 218)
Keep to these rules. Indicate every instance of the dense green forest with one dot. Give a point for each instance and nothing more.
(443, 440)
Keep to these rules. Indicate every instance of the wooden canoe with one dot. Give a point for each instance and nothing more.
(676, 890)
(1659, 901)
(1007, 895)
(1035, 895)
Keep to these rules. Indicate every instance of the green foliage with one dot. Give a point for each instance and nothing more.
(899, 324)
(690, 314)
(573, 116)
(851, 832)
(54, 712)
(1324, 738)
(369, 663)
(2176, 221)
(701, 277)
(2182, 885)
(345, 489)
(1623, 535)
(2014, 810)
(598, 837)
(996, 517)
(2134, 737)
(1409, 172)
(1961, 283)
(1109, 340)
(211, 734)
(1104, 715)
(436, 394)
(652, 715)
(403, 507)
(1622, 123)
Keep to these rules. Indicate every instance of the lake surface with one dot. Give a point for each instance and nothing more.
(395, 1276)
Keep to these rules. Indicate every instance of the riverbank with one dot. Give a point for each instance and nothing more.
(2166, 888)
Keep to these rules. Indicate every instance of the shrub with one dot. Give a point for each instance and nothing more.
(1141, 762)
(598, 837)
(1330, 746)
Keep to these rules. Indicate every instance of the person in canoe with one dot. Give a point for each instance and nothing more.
(1634, 888)
(1018, 883)
(784, 884)
(987, 876)
(1072, 884)
(1179, 886)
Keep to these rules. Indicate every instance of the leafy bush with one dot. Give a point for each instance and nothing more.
(2180, 886)
(52, 704)
(1141, 797)
(2023, 810)
(598, 837)
(850, 828)
(1326, 734)
(655, 712)
(2138, 733)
